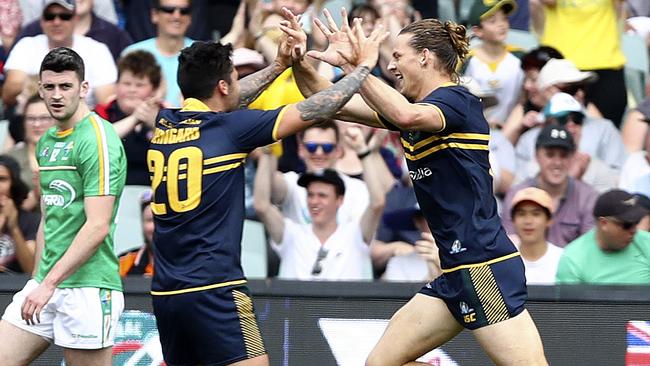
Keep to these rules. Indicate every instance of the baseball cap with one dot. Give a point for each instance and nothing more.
(326, 176)
(67, 4)
(557, 71)
(245, 56)
(488, 97)
(555, 136)
(535, 195)
(561, 104)
(621, 205)
(482, 9)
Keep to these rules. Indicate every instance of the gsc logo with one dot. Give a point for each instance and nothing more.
(420, 173)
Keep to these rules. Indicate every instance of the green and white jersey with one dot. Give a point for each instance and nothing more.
(86, 160)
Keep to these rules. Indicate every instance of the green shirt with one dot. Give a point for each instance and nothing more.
(86, 160)
(584, 262)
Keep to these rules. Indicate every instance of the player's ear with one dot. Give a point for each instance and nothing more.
(223, 87)
(83, 89)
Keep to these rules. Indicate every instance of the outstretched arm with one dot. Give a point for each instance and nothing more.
(268, 214)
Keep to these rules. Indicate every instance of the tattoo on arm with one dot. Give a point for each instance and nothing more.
(326, 103)
(253, 85)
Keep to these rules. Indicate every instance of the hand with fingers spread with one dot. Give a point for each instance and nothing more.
(337, 39)
(35, 302)
(364, 51)
(295, 34)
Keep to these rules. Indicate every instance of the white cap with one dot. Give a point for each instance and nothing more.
(562, 104)
(246, 56)
(558, 71)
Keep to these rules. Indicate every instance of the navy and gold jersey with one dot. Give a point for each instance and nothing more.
(450, 174)
(196, 161)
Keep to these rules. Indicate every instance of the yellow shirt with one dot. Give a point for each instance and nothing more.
(585, 32)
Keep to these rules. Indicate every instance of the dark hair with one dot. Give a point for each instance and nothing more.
(19, 189)
(327, 124)
(448, 41)
(35, 98)
(359, 10)
(63, 59)
(538, 57)
(201, 66)
(142, 64)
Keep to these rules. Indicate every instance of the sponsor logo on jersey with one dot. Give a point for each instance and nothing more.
(63, 198)
(45, 151)
(67, 150)
(420, 173)
(457, 247)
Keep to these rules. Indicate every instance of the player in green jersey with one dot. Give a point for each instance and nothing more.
(75, 298)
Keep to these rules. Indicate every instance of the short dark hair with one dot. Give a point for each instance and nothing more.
(327, 124)
(63, 59)
(358, 11)
(538, 57)
(142, 64)
(201, 66)
(19, 189)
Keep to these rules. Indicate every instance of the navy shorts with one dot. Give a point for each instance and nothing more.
(482, 294)
(210, 327)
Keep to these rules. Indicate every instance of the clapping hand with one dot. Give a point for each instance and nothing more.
(364, 51)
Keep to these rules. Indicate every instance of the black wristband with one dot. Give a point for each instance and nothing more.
(363, 154)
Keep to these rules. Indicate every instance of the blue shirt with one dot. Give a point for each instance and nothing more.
(168, 66)
(196, 158)
(450, 174)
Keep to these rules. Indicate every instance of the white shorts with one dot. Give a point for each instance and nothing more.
(78, 318)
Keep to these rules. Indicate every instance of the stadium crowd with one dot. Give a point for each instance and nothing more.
(569, 138)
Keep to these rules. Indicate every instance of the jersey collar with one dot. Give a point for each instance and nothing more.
(194, 105)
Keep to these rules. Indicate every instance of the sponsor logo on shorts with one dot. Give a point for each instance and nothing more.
(457, 247)
(469, 315)
(66, 194)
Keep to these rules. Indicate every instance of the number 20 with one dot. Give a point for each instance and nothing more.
(191, 169)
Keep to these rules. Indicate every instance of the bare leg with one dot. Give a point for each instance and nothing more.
(513, 342)
(257, 361)
(421, 325)
(88, 357)
(19, 347)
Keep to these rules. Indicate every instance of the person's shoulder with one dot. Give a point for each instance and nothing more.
(26, 43)
(553, 250)
(642, 237)
(578, 246)
(146, 44)
(600, 123)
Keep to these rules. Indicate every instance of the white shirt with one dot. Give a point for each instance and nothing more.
(348, 257)
(542, 271)
(355, 200)
(27, 56)
(636, 166)
(410, 267)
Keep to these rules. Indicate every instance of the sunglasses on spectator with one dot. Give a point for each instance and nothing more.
(318, 268)
(63, 16)
(624, 225)
(313, 146)
(184, 10)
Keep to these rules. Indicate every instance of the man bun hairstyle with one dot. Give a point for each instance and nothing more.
(448, 41)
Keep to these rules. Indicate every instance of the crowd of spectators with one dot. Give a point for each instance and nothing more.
(569, 147)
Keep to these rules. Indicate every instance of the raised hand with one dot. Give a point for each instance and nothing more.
(296, 36)
(364, 51)
(337, 39)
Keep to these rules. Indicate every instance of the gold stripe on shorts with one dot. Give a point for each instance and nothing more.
(250, 331)
(488, 293)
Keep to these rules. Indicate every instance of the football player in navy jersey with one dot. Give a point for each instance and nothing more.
(445, 139)
(202, 305)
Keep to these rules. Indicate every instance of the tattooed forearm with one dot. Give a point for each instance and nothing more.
(253, 85)
(326, 103)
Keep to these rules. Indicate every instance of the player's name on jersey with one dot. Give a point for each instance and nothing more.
(175, 135)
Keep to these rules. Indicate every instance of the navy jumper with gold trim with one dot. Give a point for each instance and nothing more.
(450, 171)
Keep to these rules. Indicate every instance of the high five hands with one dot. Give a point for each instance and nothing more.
(348, 46)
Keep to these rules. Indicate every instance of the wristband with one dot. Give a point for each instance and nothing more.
(363, 154)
